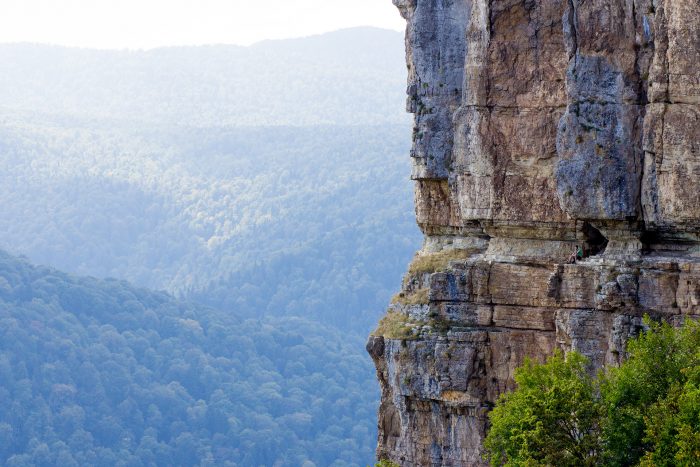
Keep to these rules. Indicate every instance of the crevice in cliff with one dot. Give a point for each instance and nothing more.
(488, 285)
(594, 241)
(660, 156)
(554, 283)
(644, 62)
(513, 107)
(667, 91)
(573, 29)
(665, 243)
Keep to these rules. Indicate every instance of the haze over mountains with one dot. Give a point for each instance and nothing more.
(350, 77)
(269, 183)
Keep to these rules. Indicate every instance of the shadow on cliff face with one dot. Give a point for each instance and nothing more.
(594, 242)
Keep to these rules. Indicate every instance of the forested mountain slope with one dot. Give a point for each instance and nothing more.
(313, 221)
(270, 183)
(97, 372)
(271, 178)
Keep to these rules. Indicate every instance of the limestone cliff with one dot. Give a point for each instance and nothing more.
(539, 126)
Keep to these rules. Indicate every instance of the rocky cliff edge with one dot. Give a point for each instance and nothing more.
(539, 126)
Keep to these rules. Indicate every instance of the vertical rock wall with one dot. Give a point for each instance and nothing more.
(539, 126)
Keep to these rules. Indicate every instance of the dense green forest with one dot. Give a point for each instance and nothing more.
(643, 412)
(97, 372)
(284, 219)
(267, 184)
(313, 222)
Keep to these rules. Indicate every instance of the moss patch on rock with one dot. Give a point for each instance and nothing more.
(419, 297)
(434, 262)
(395, 325)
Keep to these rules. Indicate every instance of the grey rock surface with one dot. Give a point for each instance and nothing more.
(539, 126)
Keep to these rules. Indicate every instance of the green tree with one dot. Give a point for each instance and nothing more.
(552, 418)
(644, 412)
(652, 400)
(672, 428)
(385, 463)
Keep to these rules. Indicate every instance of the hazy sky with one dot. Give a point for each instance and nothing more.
(153, 23)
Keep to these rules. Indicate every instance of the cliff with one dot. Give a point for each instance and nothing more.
(539, 126)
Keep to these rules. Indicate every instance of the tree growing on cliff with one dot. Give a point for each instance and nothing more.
(652, 401)
(644, 412)
(552, 417)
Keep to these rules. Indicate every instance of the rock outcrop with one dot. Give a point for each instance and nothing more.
(539, 126)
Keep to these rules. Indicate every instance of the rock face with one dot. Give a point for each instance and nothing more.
(539, 126)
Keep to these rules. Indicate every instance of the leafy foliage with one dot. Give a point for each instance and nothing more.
(96, 372)
(672, 427)
(551, 419)
(386, 463)
(647, 411)
(651, 400)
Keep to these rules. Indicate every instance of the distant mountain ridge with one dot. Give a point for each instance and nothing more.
(354, 76)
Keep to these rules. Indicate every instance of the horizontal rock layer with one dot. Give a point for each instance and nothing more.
(539, 126)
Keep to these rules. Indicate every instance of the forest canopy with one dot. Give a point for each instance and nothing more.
(315, 222)
(644, 412)
(269, 183)
(97, 372)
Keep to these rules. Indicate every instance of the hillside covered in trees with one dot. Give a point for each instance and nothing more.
(97, 372)
(268, 186)
(303, 216)
(313, 222)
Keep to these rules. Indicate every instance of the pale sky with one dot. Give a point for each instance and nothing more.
(136, 24)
